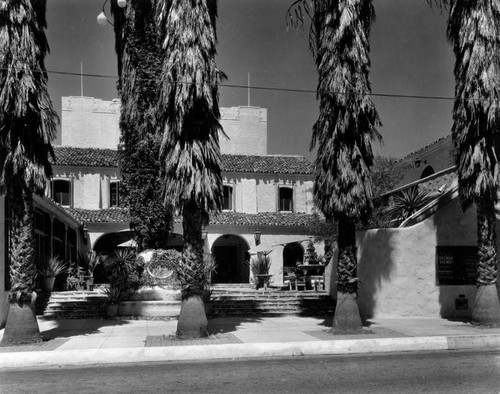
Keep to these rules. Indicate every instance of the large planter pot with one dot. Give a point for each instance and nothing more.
(263, 280)
(112, 309)
(47, 284)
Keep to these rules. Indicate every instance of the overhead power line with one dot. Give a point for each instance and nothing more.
(274, 89)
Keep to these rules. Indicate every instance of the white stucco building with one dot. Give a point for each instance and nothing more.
(267, 198)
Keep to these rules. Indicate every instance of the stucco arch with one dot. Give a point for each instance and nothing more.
(108, 242)
(231, 256)
(292, 253)
(428, 171)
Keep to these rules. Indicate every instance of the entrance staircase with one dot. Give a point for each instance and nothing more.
(226, 300)
(244, 300)
(71, 304)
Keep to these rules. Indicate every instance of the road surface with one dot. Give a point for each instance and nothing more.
(429, 372)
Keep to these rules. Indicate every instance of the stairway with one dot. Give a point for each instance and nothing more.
(226, 300)
(244, 300)
(71, 304)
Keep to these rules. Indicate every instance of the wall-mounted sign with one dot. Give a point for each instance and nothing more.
(456, 265)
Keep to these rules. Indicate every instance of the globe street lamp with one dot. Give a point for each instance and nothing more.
(102, 19)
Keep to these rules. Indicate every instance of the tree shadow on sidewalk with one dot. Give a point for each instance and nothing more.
(65, 328)
(227, 324)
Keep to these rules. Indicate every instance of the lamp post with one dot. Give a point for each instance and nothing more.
(257, 237)
(102, 19)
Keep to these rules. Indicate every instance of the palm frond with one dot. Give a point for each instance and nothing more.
(348, 119)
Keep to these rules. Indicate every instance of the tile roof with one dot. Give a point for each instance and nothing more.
(85, 157)
(443, 141)
(269, 164)
(264, 219)
(109, 215)
(273, 164)
(120, 215)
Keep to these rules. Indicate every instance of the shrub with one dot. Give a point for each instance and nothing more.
(124, 271)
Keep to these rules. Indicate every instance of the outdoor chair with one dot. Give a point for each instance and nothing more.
(300, 282)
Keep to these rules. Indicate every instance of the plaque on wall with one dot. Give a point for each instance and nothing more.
(456, 265)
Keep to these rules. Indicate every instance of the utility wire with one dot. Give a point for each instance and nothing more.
(273, 89)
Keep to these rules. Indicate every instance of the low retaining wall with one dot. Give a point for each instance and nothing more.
(150, 308)
(156, 294)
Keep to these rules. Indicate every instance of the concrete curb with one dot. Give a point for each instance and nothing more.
(82, 357)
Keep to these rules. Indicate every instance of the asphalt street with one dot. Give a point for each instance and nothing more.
(429, 372)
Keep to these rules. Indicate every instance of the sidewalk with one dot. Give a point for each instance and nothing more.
(101, 341)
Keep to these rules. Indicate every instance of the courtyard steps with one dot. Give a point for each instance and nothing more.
(243, 300)
(225, 300)
(71, 305)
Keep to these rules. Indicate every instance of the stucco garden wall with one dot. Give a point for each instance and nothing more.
(397, 266)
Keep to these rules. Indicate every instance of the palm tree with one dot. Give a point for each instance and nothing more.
(190, 153)
(139, 69)
(342, 134)
(27, 127)
(473, 30)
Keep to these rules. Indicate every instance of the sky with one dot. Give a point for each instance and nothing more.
(410, 55)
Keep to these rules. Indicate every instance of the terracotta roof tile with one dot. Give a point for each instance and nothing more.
(269, 164)
(274, 164)
(85, 157)
(120, 215)
(109, 215)
(264, 219)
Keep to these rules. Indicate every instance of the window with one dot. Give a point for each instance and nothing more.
(227, 199)
(42, 236)
(114, 194)
(61, 191)
(58, 239)
(286, 199)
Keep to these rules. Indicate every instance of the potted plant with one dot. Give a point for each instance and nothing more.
(53, 267)
(93, 261)
(260, 266)
(75, 274)
(115, 295)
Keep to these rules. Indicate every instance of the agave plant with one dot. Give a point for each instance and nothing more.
(406, 202)
(261, 264)
(53, 267)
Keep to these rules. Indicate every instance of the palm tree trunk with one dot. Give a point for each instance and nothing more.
(22, 326)
(346, 317)
(486, 304)
(192, 321)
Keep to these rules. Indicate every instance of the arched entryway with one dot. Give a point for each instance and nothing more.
(109, 242)
(428, 171)
(231, 256)
(293, 253)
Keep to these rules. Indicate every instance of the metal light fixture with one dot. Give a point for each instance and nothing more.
(102, 19)
(85, 232)
(204, 234)
(257, 237)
